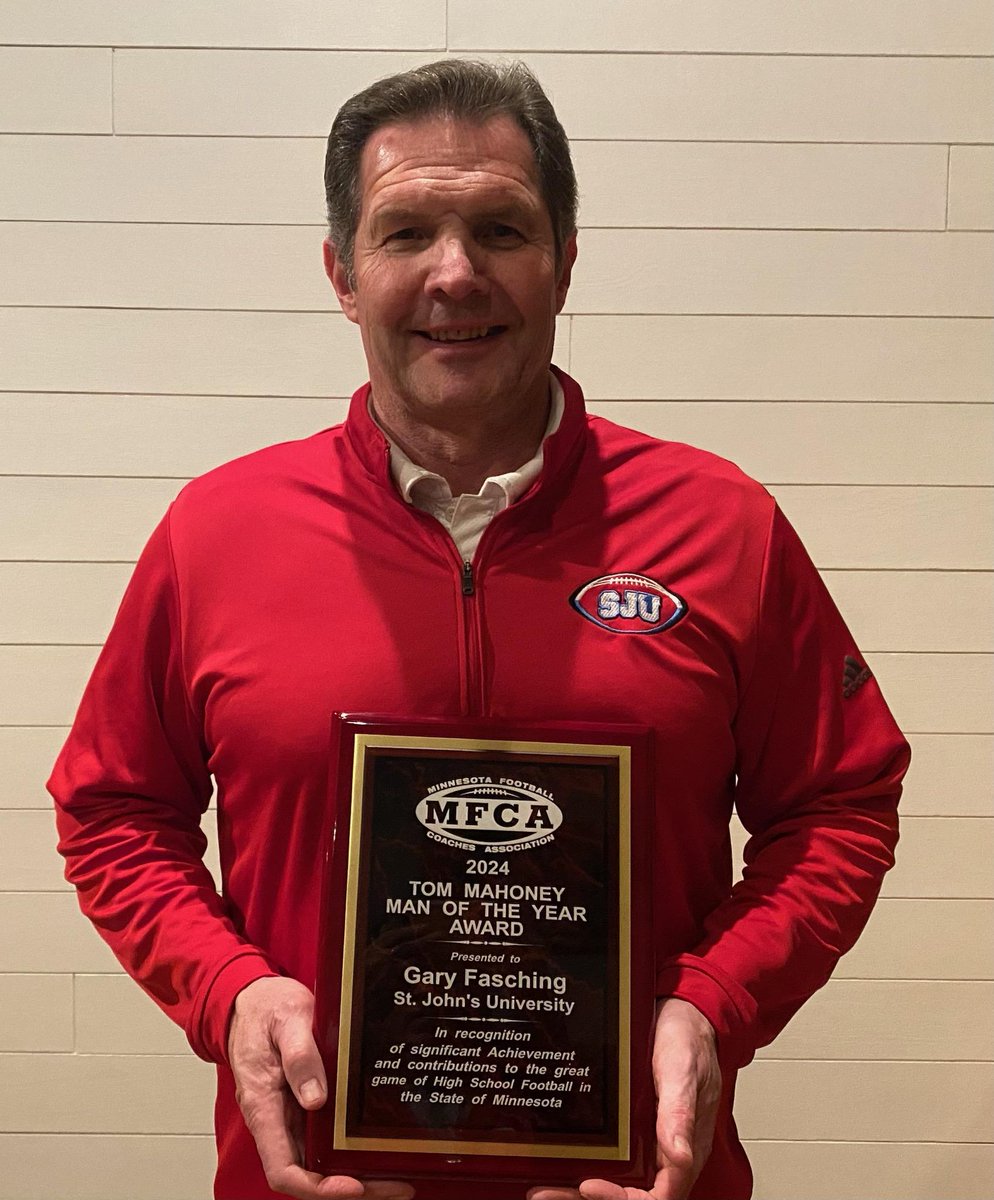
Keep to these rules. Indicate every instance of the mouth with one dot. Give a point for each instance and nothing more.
(477, 333)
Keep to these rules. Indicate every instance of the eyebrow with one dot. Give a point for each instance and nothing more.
(395, 216)
(512, 212)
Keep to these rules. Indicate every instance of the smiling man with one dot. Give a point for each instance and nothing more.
(470, 543)
(454, 278)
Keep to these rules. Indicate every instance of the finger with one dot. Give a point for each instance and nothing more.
(301, 1060)
(675, 1122)
(675, 1131)
(266, 1116)
(547, 1193)
(676, 1115)
(336, 1187)
(603, 1189)
(671, 1183)
(387, 1189)
(308, 1185)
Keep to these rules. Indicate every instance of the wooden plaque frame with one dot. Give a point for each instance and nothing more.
(484, 993)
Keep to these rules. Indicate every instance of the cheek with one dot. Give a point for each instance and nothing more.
(391, 298)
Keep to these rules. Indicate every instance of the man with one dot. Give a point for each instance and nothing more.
(421, 558)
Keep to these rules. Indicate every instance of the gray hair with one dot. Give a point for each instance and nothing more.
(460, 89)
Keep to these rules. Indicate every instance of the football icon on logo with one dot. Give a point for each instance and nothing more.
(629, 604)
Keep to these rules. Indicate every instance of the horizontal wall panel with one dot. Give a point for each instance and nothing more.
(215, 180)
(92, 1167)
(108, 520)
(29, 861)
(148, 266)
(781, 358)
(971, 187)
(257, 354)
(104, 1093)
(55, 90)
(848, 1101)
(950, 775)
(924, 939)
(899, 1170)
(943, 858)
(26, 758)
(940, 858)
(757, 271)
(895, 27)
(80, 519)
(938, 693)
(105, 1167)
(726, 26)
(37, 1013)
(59, 603)
(897, 528)
(46, 932)
(789, 185)
(618, 271)
(305, 23)
(886, 1019)
(43, 684)
(680, 97)
(260, 180)
(114, 1016)
(254, 93)
(905, 939)
(778, 442)
(947, 611)
(150, 435)
(756, 98)
(805, 443)
(75, 603)
(887, 611)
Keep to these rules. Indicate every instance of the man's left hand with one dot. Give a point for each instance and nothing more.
(688, 1088)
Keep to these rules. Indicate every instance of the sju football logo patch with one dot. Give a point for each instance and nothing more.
(629, 604)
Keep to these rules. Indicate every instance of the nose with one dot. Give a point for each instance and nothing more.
(454, 271)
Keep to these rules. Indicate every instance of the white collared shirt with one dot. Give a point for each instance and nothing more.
(465, 516)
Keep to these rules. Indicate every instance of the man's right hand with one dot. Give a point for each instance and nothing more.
(278, 1074)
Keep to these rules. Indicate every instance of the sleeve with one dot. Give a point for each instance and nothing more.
(130, 787)
(819, 768)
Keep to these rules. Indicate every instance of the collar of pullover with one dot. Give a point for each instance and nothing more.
(560, 450)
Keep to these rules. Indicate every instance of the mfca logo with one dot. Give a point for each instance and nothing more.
(629, 604)
(496, 815)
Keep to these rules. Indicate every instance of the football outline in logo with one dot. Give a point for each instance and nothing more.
(496, 817)
(629, 603)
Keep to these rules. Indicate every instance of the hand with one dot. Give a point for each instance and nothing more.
(688, 1088)
(278, 1074)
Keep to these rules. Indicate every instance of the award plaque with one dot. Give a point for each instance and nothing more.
(484, 990)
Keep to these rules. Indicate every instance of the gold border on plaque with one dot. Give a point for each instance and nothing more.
(620, 1150)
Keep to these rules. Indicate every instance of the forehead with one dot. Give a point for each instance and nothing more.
(438, 156)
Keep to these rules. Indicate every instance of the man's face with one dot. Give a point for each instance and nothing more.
(455, 285)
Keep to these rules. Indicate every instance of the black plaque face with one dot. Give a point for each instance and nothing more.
(477, 1004)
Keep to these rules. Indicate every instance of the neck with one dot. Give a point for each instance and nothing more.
(466, 452)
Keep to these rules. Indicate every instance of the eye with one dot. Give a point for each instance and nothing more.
(501, 234)
(409, 234)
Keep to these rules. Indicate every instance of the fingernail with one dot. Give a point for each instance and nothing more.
(311, 1091)
(683, 1146)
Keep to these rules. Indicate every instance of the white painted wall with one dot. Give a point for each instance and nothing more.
(783, 258)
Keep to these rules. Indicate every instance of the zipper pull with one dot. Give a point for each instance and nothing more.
(467, 578)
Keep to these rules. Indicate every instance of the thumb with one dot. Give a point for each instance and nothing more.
(675, 1134)
(301, 1060)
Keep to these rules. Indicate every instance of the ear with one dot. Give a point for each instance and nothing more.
(336, 272)
(566, 271)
